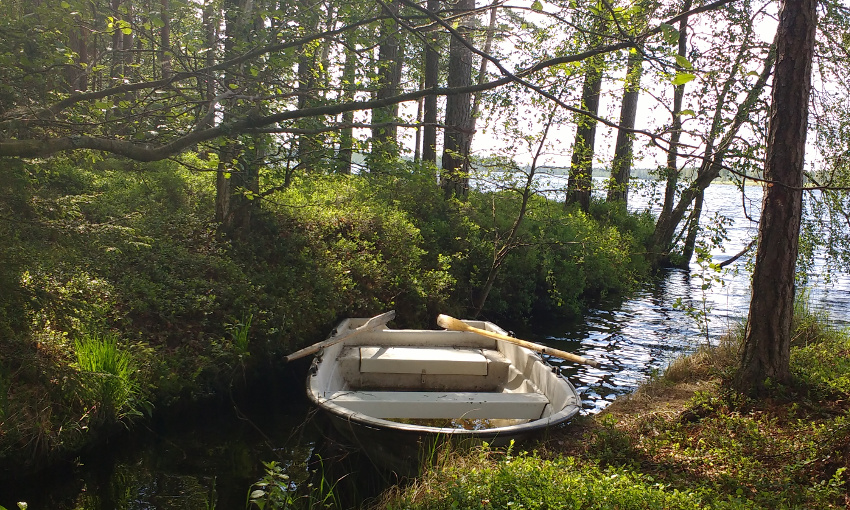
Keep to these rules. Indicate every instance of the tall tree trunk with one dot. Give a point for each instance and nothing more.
(767, 342)
(661, 256)
(346, 135)
(417, 144)
(384, 131)
(77, 75)
(309, 147)
(429, 114)
(580, 182)
(237, 182)
(165, 39)
(458, 134)
(621, 166)
(482, 70)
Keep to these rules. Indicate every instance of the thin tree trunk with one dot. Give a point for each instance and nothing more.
(417, 145)
(165, 39)
(346, 135)
(621, 166)
(767, 341)
(429, 114)
(500, 253)
(308, 147)
(693, 230)
(672, 169)
(482, 70)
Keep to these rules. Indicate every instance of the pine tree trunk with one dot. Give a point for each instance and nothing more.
(580, 182)
(767, 342)
(458, 134)
(429, 114)
(621, 166)
(384, 132)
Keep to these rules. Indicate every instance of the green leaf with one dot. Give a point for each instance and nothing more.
(688, 112)
(101, 104)
(682, 78)
(537, 5)
(65, 5)
(670, 34)
(683, 62)
(227, 175)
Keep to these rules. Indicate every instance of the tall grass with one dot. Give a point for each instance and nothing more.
(107, 378)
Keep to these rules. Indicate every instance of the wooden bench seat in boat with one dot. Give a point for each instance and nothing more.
(436, 368)
(437, 404)
(419, 360)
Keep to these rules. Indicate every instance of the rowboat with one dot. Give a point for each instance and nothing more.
(384, 388)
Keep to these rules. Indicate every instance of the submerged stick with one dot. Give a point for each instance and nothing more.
(458, 325)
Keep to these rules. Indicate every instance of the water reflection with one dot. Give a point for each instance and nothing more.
(204, 458)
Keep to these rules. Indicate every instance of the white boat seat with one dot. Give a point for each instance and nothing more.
(423, 360)
(439, 404)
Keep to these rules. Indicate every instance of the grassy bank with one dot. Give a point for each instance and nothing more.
(121, 296)
(682, 441)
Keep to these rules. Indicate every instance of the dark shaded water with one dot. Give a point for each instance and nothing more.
(210, 458)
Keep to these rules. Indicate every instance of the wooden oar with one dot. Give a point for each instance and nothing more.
(458, 325)
(375, 322)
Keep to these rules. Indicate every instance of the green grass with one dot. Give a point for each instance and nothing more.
(107, 378)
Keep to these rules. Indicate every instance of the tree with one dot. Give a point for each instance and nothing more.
(618, 187)
(431, 80)
(459, 124)
(384, 131)
(580, 181)
(724, 144)
(767, 341)
(671, 171)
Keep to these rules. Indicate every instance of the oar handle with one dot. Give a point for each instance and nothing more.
(375, 322)
(453, 324)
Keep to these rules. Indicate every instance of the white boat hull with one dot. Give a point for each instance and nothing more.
(385, 385)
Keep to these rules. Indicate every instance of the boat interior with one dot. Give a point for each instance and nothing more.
(424, 374)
